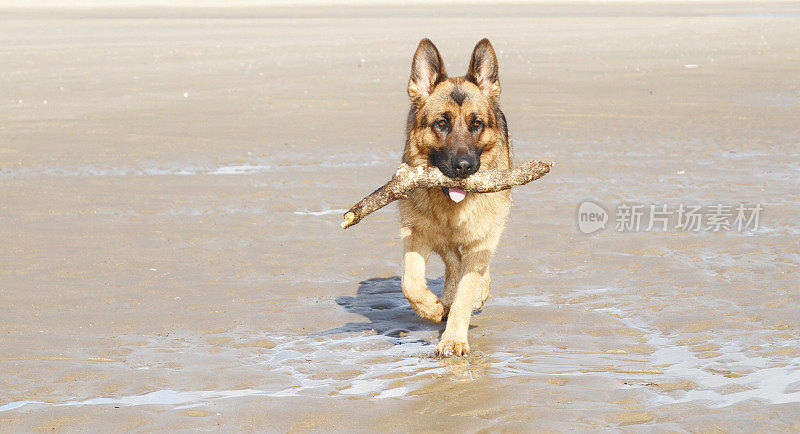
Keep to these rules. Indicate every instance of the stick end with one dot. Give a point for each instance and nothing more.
(349, 217)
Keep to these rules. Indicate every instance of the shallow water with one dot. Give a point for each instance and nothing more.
(172, 257)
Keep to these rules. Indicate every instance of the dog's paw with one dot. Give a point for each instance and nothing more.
(452, 347)
(434, 312)
(480, 299)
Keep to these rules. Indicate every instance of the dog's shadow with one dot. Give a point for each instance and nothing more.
(381, 300)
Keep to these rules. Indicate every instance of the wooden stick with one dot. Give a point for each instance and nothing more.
(408, 178)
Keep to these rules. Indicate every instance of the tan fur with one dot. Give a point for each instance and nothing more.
(463, 234)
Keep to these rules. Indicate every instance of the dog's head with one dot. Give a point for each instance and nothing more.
(454, 123)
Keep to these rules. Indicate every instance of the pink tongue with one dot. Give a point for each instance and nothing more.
(456, 194)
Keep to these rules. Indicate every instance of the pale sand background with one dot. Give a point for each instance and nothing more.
(172, 181)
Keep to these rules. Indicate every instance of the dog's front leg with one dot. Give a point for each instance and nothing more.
(474, 277)
(422, 300)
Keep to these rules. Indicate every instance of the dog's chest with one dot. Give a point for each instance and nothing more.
(433, 213)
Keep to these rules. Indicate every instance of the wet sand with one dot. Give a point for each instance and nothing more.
(173, 181)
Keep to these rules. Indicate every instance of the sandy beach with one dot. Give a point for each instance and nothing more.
(173, 178)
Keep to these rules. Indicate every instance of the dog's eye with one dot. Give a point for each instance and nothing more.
(476, 124)
(441, 124)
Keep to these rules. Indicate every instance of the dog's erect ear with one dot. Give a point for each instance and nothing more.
(427, 70)
(483, 69)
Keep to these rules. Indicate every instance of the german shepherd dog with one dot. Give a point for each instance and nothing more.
(456, 125)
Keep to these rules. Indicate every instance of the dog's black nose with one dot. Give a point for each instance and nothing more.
(465, 165)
